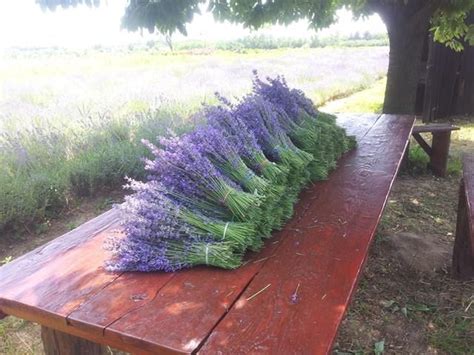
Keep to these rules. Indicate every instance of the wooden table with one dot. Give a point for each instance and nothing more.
(289, 298)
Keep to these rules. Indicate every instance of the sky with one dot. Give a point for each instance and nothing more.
(24, 24)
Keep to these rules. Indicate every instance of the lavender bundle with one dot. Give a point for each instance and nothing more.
(256, 113)
(245, 143)
(182, 169)
(217, 191)
(261, 119)
(214, 144)
(169, 255)
(312, 131)
(276, 207)
(150, 212)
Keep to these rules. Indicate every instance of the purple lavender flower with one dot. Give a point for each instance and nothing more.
(245, 143)
(183, 169)
(261, 119)
(202, 201)
(277, 92)
(169, 255)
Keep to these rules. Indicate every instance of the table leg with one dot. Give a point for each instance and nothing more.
(440, 153)
(405, 165)
(463, 257)
(59, 343)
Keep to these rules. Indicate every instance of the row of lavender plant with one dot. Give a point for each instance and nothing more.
(221, 189)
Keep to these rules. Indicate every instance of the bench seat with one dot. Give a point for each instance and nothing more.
(439, 149)
(463, 252)
(288, 298)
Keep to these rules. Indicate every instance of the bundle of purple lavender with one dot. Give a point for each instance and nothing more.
(222, 189)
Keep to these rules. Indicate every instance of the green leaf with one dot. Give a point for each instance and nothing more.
(419, 308)
(387, 304)
(379, 347)
(470, 35)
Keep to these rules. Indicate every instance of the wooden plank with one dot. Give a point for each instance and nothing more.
(464, 94)
(130, 291)
(463, 256)
(190, 303)
(468, 178)
(57, 281)
(357, 124)
(185, 310)
(428, 97)
(426, 147)
(438, 127)
(449, 78)
(440, 153)
(463, 251)
(48, 283)
(450, 82)
(313, 274)
(38, 257)
(211, 294)
(55, 342)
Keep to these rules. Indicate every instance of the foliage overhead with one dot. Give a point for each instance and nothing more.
(448, 18)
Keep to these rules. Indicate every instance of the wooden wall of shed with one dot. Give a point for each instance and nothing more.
(449, 82)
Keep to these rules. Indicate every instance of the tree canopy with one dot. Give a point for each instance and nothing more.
(448, 17)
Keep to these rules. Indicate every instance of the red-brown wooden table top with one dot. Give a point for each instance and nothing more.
(318, 257)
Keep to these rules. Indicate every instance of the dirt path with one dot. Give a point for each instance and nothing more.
(407, 299)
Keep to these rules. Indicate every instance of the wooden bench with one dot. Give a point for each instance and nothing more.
(289, 298)
(463, 253)
(439, 149)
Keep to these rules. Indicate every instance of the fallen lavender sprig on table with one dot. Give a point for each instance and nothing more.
(222, 188)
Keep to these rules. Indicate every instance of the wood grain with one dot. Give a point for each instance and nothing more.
(63, 285)
(189, 304)
(435, 127)
(69, 345)
(51, 281)
(203, 303)
(439, 153)
(357, 125)
(463, 252)
(468, 178)
(320, 266)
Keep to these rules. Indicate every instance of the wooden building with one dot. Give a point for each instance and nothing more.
(447, 86)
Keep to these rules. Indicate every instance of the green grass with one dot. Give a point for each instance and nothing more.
(61, 165)
(368, 99)
(364, 97)
(418, 160)
(453, 335)
(19, 337)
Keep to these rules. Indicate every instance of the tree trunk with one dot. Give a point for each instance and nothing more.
(407, 26)
(404, 71)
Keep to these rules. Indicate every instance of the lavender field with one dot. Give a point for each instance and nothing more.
(71, 123)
